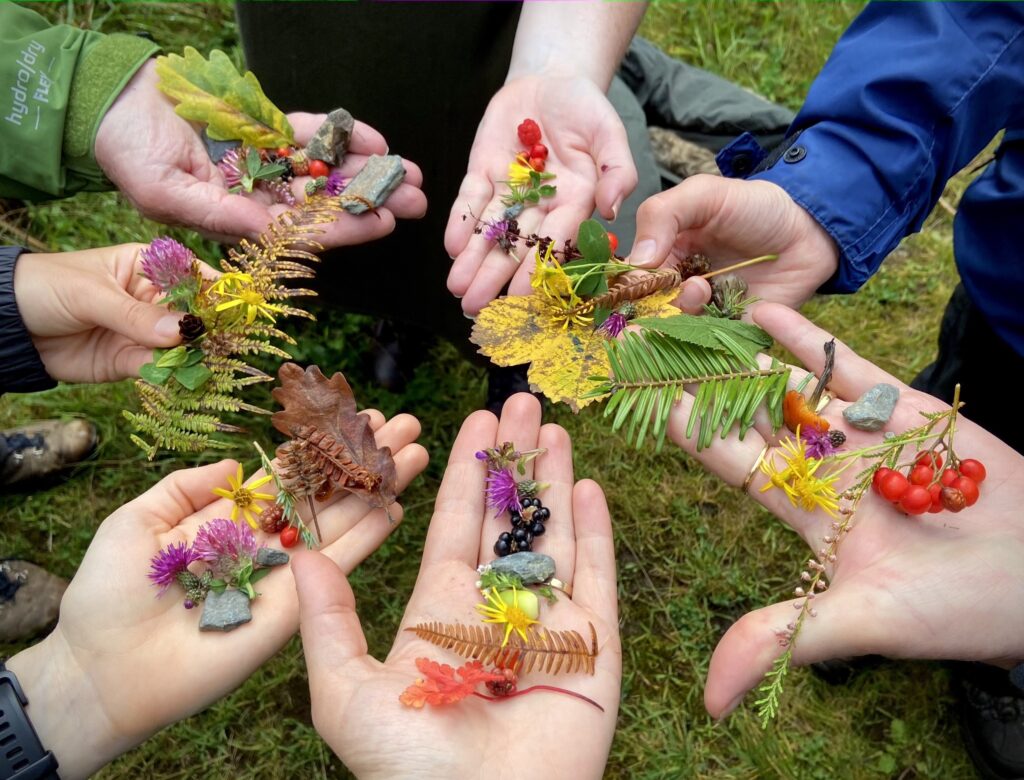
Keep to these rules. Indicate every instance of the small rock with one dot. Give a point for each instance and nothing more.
(530, 567)
(873, 409)
(330, 142)
(217, 149)
(373, 184)
(225, 611)
(513, 211)
(267, 556)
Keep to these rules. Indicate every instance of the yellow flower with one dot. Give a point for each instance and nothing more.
(497, 610)
(235, 280)
(254, 303)
(550, 279)
(519, 171)
(799, 480)
(243, 496)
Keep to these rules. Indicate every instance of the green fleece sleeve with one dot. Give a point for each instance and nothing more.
(56, 83)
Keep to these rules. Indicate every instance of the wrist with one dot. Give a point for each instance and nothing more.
(64, 709)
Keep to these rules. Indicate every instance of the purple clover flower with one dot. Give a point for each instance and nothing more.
(169, 563)
(231, 165)
(166, 263)
(613, 325)
(818, 443)
(502, 491)
(225, 545)
(335, 184)
(496, 228)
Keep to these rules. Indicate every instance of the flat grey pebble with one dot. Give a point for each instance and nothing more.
(530, 567)
(373, 184)
(225, 611)
(873, 409)
(267, 556)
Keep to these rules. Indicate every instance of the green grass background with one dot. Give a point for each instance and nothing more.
(693, 554)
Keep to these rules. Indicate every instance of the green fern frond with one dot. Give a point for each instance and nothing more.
(650, 372)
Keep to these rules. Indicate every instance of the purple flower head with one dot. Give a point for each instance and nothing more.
(819, 443)
(496, 228)
(335, 183)
(502, 491)
(482, 455)
(225, 545)
(231, 165)
(169, 563)
(166, 263)
(614, 325)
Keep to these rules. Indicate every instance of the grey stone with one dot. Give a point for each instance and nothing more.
(217, 149)
(513, 211)
(330, 142)
(373, 184)
(225, 611)
(267, 556)
(530, 567)
(873, 409)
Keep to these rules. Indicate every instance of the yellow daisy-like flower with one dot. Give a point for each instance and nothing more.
(231, 281)
(550, 279)
(798, 478)
(519, 171)
(254, 303)
(244, 496)
(496, 610)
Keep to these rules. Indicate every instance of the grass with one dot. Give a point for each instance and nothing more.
(693, 554)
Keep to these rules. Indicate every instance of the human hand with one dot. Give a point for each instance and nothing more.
(729, 220)
(91, 314)
(588, 153)
(355, 697)
(158, 161)
(903, 587)
(122, 663)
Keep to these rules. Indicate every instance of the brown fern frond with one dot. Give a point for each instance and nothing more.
(630, 290)
(334, 459)
(551, 652)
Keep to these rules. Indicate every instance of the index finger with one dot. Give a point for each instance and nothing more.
(365, 140)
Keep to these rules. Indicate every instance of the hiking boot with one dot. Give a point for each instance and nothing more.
(29, 600)
(39, 450)
(991, 714)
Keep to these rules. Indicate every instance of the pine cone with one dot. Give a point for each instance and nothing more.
(191, 327)
(694, 265)
(837, 437)
(272, 519)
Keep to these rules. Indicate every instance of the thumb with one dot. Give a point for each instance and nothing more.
(146, 324)
(693, 295)
(331, 633)
(616, 173)
(661, 218)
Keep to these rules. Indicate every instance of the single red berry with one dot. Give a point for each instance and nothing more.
(880, 474)
(613, 242)
(284, 151)
(529, 133)
(922, 475)
(289, 536)
(969, 488)
(318, 168)
(974, 469)
(894, 486)
(916, 500)
(540, 151)
(935, 491)
(929, 458)
(952, 499)
(948, 476)
(537, 164)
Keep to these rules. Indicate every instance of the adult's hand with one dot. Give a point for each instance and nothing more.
(730, 220)
(122, 663)
(903, 587)
(355, 697)
(158, 161)
(91, 314)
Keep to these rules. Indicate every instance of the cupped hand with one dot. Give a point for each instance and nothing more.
(91, 314)
(123, 663)
(729, 220)
(932, 586)
(158, 161)
(355, 697)
(588, 153)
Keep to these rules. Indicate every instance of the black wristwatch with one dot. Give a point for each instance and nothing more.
(22, 756)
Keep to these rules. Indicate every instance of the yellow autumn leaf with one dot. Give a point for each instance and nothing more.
(232, 106)
(521, 329)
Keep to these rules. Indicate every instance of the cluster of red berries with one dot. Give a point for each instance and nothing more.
(272, 521)
(535, 152)
(297, 164)
(927, 487)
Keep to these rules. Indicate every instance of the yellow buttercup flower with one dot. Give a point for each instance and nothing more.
(254, 303)
(519, 171)
(497, 610)
(244, 496)
(798, 478)
(550, 279)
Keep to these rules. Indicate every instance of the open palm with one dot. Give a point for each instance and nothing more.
(355, 697)
(934, 586)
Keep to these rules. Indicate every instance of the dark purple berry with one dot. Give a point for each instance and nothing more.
(502, 548)
(838, 438)
(520, 534)
(542, 514)
(525, 547)
(505, 537)
(537, 529)
(517, 519)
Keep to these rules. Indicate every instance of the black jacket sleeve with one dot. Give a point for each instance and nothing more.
(21, 368)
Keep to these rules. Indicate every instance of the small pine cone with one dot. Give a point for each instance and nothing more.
(272, 519)
(837, 437)
(191, 327)
(694, 265)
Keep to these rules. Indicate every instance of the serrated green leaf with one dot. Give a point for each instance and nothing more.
(232, 106)
(193, 377)
(592, 241)
(730, 336)
(155, 375)
(170, 358)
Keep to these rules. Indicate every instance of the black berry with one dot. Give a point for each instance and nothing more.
(542, 514)
(838, 438)
(537, 529)
(505, 537)
(517, 520)
(524, 547)
(502, 548)
(521, 535)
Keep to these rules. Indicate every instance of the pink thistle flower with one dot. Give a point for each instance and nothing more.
(335, 184)
(169, 564)
(225, 545)
(231, 165)
(502, 491)
(614, 325)
(166, 263)
(496, 228)
(819, 443)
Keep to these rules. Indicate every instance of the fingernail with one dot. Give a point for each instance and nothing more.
(167, 325)
(643, 253)
(731, 706)
(615, 208)
(470, 317)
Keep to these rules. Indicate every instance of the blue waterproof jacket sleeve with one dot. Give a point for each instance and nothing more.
(911, 93)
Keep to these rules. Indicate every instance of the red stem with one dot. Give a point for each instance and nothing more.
(551, 688)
